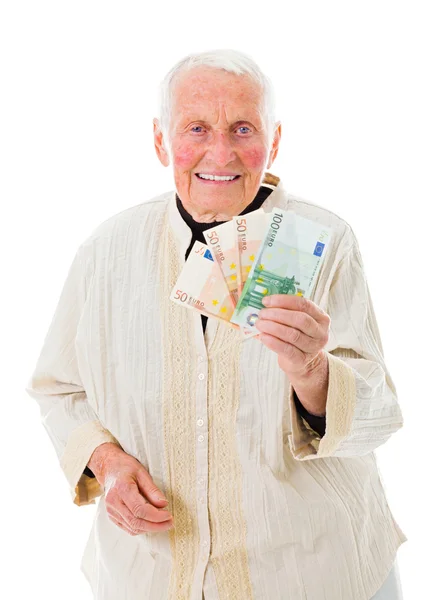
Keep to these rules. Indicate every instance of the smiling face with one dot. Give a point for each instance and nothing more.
(218, 128)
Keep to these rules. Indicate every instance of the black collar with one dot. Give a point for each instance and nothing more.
(198, 228)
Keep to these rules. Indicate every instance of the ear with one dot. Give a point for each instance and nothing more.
(275, 144)
(159, 145)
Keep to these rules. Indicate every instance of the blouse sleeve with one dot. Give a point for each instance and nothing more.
(70, 421)
(362, 409)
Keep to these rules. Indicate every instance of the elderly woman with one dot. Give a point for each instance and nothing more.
(227, 467)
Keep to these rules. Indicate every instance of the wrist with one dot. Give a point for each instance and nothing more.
(312, 388)
(99, 458)
(314, 371)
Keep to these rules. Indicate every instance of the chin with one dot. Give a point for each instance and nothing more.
(216, 205)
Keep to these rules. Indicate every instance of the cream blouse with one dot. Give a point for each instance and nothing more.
(263, 507)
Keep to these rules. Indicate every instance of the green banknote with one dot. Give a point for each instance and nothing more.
(288, 262)
(313, 241)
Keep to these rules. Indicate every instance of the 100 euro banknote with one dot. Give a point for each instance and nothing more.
(288, 262)
(313, 241)
(201, 285)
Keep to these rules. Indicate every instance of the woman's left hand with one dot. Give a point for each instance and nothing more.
(297, 330)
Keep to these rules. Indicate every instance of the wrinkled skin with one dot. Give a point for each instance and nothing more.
(131, 496)
(218, 126)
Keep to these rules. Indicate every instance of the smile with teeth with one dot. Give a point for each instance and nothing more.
(217, 177)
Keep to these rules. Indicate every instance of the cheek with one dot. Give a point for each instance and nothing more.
(254, 158)
(185, 156)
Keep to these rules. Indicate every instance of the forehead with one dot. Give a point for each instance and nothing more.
(205, 88)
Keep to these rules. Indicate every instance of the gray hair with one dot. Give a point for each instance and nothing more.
(232, 61)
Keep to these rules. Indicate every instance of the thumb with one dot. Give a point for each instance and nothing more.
(148, 488)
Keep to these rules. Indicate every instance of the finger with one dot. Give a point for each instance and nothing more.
(292, 318)
(299, 303)
(137, 526)
(116, 518)
(121, 525)
(149, 490)
(297, 358)
(141, 509)
(289, 335)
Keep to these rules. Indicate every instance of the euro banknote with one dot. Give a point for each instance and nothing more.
(222, 243)
(201, 285)
(249, 231)
(288, 262)
(313, 241)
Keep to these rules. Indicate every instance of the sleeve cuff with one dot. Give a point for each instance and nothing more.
(305, 443)
(317, 424)
(78, 451)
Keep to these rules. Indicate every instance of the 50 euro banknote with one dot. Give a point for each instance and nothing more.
(201, 285)
(222, 243)
(288, 262)
(249, 232)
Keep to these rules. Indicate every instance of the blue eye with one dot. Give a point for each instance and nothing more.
(244, 127)
(196, 127)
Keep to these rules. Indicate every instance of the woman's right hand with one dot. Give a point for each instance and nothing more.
(133, 501)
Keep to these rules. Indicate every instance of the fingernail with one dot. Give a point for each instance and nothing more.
(162, 499)
(266, 301)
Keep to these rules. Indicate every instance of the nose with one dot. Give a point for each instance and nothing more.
(221, 149)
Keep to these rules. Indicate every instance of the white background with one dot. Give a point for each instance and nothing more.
(354, 84)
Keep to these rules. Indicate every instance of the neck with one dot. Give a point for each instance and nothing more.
(217, 218)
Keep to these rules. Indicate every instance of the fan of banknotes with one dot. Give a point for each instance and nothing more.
(248, 258)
